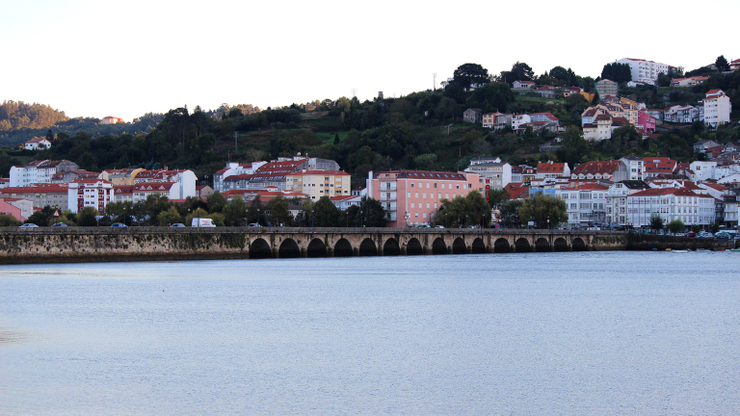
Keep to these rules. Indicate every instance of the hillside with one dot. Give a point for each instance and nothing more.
(423, 130)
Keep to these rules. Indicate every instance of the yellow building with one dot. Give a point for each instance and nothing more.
(318, 183)
(119, 177)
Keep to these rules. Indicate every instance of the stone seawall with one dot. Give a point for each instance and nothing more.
(85, 245)
(663, 242)
(91, 244)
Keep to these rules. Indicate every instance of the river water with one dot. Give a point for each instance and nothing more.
(593, 333)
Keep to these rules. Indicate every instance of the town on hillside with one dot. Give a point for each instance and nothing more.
(628, 192)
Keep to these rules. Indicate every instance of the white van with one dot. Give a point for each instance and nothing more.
(203, 222)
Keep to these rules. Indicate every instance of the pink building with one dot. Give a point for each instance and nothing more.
(411, 198)
(646, 121)
(12, 210)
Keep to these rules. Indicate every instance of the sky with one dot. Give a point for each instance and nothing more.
(128, 58)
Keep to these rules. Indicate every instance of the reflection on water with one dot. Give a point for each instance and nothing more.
(511, 334)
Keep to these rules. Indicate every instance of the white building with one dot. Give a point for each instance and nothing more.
(717, 108)
(37, 143)
(645, 71)
(493, 174)
(94, 193)
(39, 171)
(183, 182)
(233, 169)
(616, 200)
(518, 119)
(670, 204)
(585, 204)
(681, 114)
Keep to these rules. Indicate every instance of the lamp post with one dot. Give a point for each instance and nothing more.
(258, 216)
(362, 217)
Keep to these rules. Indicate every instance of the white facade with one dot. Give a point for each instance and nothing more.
(232, 169)
(670, 204)
(585, 205)
(36, 144)
(518, 119)
(493, 173)
(645, 71)
(93, 193)
(702, 170)
(717, 108)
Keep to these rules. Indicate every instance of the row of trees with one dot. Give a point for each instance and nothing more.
(157, 210)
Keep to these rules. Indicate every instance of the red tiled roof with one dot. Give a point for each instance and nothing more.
(550, 167)
(596, 167)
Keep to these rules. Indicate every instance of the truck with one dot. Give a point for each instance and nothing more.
(203, 222)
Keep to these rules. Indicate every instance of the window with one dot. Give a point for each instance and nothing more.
(412, 184)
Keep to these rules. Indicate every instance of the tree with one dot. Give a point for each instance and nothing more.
(617, 72)
(520, 71)
(7, 220)
(469, 210)
(325, 213)
(497, 196)
(168, 217)
(721, 64)
(492, 97)
(86, 217)
(234, 212)
(560, 74)
(574, 147)
(544, 210)
(509, 213)
(471, 75)
(656, 222)
(279, 213)
(675, 226)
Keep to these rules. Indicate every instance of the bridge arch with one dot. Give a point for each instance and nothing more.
(316, 248)
(391, 247)
(560, 244)
(260, 249)
(289, 249)
(458, 246)
(343, 248)
(542, 245)
(439, 246)
(479, 247)
(501, 246)
(579, 244)
(414, 248)
(368, 248)
(522, 245)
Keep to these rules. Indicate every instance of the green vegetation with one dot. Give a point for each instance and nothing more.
(422, 130)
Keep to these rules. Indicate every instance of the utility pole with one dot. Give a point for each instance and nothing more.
(235, 135)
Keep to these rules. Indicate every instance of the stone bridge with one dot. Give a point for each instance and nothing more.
(84, 244)
(343, 242)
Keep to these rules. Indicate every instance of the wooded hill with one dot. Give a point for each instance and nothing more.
(423, 130)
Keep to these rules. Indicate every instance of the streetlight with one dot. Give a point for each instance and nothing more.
(362, 217)
(258, 216)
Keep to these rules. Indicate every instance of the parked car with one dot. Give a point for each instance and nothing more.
(177, 224)
(119, 225)
(254, 224)
(29, 225)
(59, 224)
(439, 226)
(423, 226)
(722, 235)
